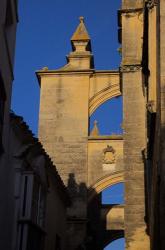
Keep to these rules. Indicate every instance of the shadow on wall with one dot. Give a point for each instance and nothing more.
(98, 235)
(75, 190)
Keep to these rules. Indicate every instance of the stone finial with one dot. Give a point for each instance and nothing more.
(45, 68)
(95, 130)
(122, 125)
(80, 57)
(81, 18)
(81, 33)
(95, 122)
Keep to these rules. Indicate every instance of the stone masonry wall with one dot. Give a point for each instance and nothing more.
(63, 130)
(134, 105)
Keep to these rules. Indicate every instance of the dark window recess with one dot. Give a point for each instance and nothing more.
(35, 239)
(58, 243)
(31, 224)
(21, 237)
(25, 196)
(2, 107)
(9, 13)
(38, 204)
(151, 134)
(35, 201)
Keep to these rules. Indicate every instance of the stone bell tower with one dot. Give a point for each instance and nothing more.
(63, 124)
(69, 95)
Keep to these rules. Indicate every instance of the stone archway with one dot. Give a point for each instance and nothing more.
(102, 96)
(69, 95)
(116, 235)
(108, 220)
(105, 182)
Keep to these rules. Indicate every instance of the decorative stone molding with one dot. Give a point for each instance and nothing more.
(103, 95)
(130, 68)
(152, 3)
(105, 182)
(131, 10)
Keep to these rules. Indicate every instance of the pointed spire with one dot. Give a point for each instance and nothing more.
(95, 130)
(80, 58)
(81, 40)
(81, 33)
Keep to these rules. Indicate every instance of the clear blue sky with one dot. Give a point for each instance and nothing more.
(43, 39)
(114, 194)
(109, 117)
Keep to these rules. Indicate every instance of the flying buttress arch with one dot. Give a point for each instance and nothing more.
(102, 96)
(104, 183)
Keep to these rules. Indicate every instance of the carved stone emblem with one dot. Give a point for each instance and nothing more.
(109, 155)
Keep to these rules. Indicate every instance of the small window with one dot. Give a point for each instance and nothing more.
(31, 222)
(38, 203)
(33, 200)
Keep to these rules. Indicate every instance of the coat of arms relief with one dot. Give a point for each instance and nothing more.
(109, 158)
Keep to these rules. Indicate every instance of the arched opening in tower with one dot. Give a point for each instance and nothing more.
(113, 195)
(118, 244)
(112, 199)
(106, 213)
(107, 118)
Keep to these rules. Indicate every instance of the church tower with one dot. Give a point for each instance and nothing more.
(69, 95)
(63, 126)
